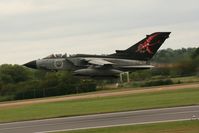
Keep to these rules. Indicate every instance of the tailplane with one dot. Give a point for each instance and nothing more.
(144, 49)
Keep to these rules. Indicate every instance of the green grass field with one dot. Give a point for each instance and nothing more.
(190, 79)
(169, 127)
(101, 105)
(177, 80)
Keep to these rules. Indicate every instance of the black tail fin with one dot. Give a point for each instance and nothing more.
(144, 49)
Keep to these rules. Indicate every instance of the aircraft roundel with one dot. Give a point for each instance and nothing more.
(58, 64)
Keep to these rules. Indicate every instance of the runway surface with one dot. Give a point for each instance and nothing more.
(102, 120)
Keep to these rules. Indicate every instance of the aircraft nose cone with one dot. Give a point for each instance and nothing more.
(31, 64)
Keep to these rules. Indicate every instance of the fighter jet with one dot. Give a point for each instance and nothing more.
(133, 58)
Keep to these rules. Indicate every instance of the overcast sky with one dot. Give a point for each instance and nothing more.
(32, 29)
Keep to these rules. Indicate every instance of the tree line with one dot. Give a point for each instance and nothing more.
(171, 63)
(18, 82)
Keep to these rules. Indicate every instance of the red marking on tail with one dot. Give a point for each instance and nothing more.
(146, 46)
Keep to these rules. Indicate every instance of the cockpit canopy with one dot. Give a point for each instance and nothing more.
(53, 56)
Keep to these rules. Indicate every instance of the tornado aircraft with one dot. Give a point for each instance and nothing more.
(136, 57)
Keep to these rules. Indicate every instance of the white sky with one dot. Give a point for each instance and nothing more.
(32, 29)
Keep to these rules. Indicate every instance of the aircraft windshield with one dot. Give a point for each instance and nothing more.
(52, 56)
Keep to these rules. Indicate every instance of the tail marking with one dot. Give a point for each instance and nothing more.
(146, 46)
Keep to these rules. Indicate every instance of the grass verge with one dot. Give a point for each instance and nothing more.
(169, 127)
(157, 81)
(101, 105)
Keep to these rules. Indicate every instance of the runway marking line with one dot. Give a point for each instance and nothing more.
(114, 125)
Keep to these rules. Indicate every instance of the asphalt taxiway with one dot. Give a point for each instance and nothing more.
(102, 120)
